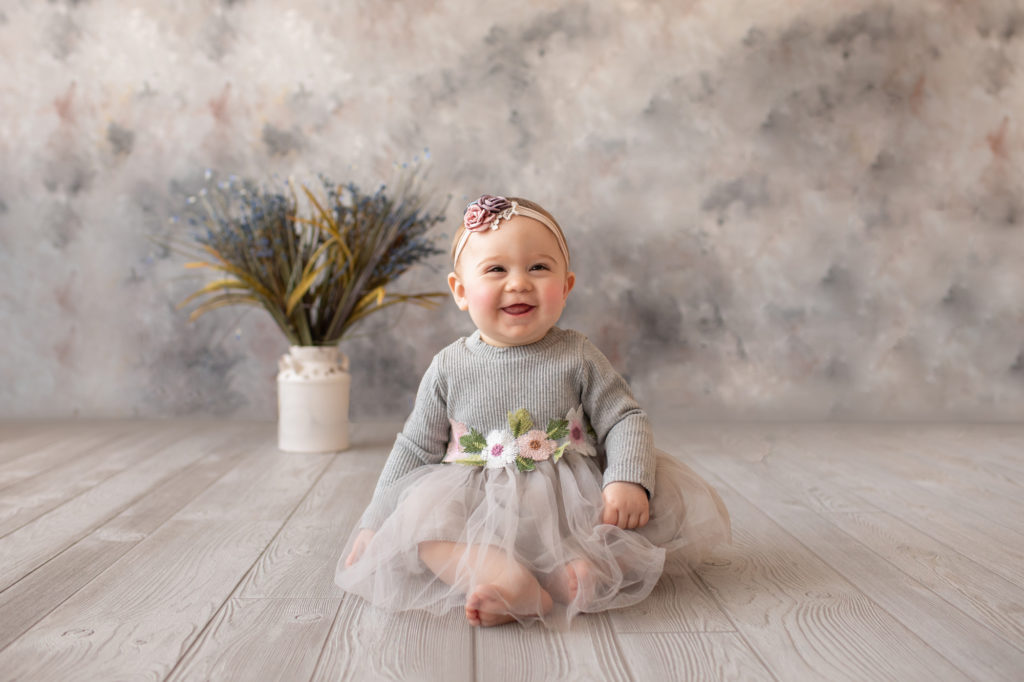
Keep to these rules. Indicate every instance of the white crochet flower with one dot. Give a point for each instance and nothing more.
(501, 449)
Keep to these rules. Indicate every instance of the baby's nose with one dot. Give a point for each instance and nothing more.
(517, 281)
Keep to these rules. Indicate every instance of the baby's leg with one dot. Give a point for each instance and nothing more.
(501, 587)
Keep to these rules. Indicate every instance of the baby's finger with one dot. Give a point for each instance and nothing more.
(645, 516)
(610, 515)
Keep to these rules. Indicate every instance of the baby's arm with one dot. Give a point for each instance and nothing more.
(623, 428)
(621, 424)
(423, 440)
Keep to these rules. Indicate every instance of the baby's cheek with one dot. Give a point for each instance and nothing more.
(553, 295)
(480, 298)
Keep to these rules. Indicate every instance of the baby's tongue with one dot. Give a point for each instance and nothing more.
(518, 308)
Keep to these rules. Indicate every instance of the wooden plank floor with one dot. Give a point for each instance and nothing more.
(197, 551)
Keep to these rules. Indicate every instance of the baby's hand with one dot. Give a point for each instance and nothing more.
(362, 540)
(625, 505)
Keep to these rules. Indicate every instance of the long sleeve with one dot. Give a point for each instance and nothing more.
(423, 440)
(621, 425)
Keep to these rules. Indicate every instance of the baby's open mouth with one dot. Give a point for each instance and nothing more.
(518, 309)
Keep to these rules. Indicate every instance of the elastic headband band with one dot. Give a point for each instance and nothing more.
(488, 211)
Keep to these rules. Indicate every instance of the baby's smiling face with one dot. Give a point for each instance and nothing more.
(514, 282)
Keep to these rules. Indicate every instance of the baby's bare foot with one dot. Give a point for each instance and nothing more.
(576, 579)
(486, 606)
(489, 605)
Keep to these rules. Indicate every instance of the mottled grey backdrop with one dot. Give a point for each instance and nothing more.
(778, 208)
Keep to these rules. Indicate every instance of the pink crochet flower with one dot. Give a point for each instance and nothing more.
(535, 445)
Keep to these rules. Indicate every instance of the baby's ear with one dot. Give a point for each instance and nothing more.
(570, 282)
(458, 291)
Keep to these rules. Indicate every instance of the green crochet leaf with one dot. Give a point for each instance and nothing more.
(473, 441)
(558, 429)
(475, 461)
(525, 464)
(557, 454)
(520, 422)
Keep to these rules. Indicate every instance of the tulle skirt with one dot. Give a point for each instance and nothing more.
(540, 522)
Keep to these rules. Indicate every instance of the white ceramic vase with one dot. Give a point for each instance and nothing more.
(312, 399)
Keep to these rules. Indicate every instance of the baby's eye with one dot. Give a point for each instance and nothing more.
(496, 268)
(539, 266)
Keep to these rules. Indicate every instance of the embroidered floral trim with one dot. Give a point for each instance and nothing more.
(581, 436)
(522, 444)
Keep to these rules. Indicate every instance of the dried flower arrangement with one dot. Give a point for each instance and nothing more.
(317, 270)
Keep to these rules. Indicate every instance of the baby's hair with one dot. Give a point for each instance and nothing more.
(526, 203)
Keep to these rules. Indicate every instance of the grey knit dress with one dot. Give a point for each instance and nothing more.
(510, 448)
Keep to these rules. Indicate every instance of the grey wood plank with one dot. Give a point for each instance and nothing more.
(679, 603)
(260, 639)
(262, 487)
(56, 481)
(833, 457)
(802, 618)
(588, 651)
(1001, 444)
(986, 597)
(160, 580)
(23, 436)
(760, 443)
(53, 450)
(26, 441)
(992, 545)
(34, 543)
(691, 656)
(991, 490)
(994, 478)
(301, 560)
(139, 616)
(970, 646)
(931, 463)
(34, 596)
(367, 643)
(142, 614)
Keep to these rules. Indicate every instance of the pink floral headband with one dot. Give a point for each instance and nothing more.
(488, 211)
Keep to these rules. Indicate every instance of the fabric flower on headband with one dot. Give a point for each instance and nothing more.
(489, 211)
(486, 212)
